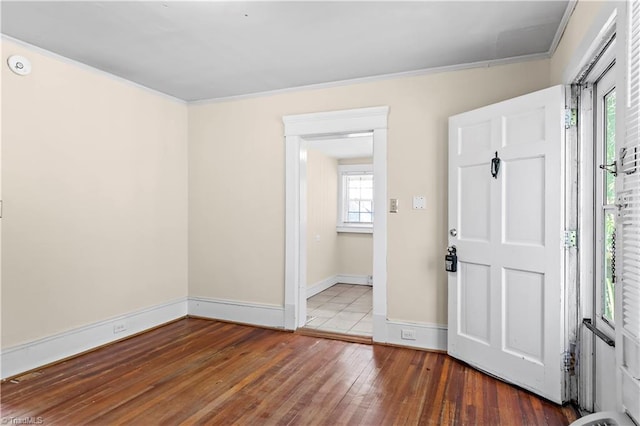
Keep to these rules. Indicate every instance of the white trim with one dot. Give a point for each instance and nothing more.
(354, 229)
(571, 6)
(321, 286)
(375, 78)
(598, 33)
(235, 311)
(328, 282)
(355, 168)
(380, 233)
(296, 128)
(428, 336)
(339, 122)
(89, 68)
(600, 29)
(21, 358)
(353, 279)
(345, 170)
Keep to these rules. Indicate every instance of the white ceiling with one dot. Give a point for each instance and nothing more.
(203, 50)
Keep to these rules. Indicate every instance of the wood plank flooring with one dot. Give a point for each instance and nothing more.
(196, 371)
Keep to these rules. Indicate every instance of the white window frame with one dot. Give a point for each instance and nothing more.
(343, 172)
(605, 83)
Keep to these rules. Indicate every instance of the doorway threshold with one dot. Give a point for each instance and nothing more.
(352, 338)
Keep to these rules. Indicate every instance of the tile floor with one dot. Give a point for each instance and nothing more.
(342, 308)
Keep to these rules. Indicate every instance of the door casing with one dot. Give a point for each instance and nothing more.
(296, 128)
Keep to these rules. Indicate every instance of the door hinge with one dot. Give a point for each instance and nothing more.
(570, 117)
(570, 239)
(568, 361)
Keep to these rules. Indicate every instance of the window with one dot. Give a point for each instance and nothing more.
(355, 198)
(605, 147)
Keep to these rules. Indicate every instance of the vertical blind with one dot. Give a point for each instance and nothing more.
(628, 225)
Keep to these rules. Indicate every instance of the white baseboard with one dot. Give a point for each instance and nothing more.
(353, 279)
(25, 357)
(428, 336)
(321, 286)
(240, 312)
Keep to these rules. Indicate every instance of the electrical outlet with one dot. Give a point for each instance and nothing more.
(407, 334)
(119, 327)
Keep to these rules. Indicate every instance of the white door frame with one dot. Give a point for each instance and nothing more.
(600, 30)
(296, 127)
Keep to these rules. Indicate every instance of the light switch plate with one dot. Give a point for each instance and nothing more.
(393, 205)
(419, 202)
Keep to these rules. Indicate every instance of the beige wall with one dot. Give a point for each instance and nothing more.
(355, 253)
(355, 250)
(322, 208)
(95, 190)
(236, 156)
(331, 253)
(583, 15)
(94, 184)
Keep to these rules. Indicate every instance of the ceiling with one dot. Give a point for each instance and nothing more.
(205, 50)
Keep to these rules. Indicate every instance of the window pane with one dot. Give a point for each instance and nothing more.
(354, 182)
(608, 284)
(354, 193)
(358, 198)
(610, 144)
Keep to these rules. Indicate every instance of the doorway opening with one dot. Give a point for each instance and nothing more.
(597, 135)
(301, 133)
(340, 215)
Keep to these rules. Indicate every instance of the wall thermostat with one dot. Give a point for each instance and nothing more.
(19, 64)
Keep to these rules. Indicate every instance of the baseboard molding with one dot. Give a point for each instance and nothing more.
(240, 312)
(321, 286)
(28, 356)
(428, 336)
(353, 279)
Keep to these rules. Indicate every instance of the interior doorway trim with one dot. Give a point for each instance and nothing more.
(296, 127)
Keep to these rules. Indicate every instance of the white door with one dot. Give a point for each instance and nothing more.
(506, 299)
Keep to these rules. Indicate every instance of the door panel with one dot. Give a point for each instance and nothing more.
(524, 128)
(474, 286)
(524, 205)
(474, 204)
(475, 138)
(506, 300)
(523, 322)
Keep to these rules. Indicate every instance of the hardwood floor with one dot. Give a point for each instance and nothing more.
(196, 371)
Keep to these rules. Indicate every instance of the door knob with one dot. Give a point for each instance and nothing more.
(453, 232)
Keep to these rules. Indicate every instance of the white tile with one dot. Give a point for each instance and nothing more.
(347, 300)
(339, 324)
(363, 326)
(323, 313)
(322, 298)
(336, 307)
(316, 322)
(350, 316)
(357, 308)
